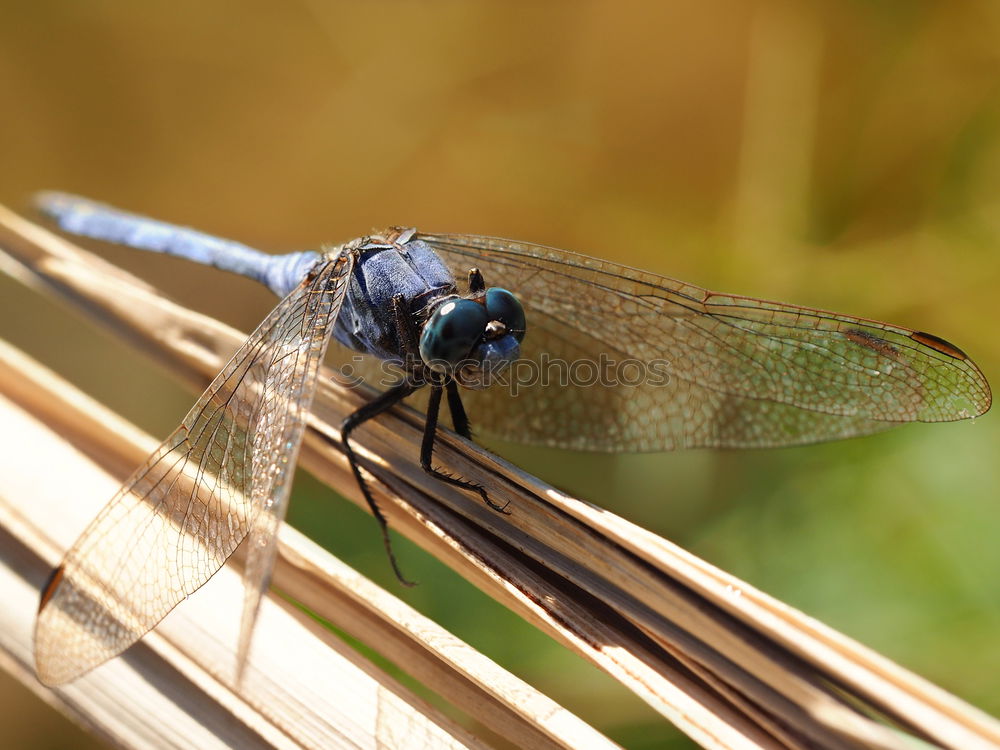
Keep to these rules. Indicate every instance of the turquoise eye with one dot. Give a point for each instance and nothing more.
(454, 328)
(503, 306)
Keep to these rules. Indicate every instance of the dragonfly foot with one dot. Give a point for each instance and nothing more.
(495, 506)
(444, 476)
(395, 566)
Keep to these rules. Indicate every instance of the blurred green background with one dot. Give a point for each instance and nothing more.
(837, 155)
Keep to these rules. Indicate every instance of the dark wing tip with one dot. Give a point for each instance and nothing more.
(938, 344)
(55, 578)
(983, 399)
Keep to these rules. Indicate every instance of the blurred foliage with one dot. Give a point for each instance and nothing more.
(840, 155)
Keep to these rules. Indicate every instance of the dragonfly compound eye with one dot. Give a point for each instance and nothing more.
(503, 306)
(454, 328)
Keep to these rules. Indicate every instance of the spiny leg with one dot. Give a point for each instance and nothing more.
(407, 335)
(372, 409)
(459, 419)
(427, 451)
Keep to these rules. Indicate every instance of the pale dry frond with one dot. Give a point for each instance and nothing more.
(729, 665)
(60, 453)
(173, 689)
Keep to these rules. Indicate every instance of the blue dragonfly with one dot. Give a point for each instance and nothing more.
(570, 351)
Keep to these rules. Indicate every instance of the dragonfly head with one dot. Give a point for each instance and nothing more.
(472, 338)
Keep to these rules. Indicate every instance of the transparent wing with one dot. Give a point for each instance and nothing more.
(224, 473)
(685, 367)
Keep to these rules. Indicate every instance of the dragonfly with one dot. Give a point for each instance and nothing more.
(567, 350)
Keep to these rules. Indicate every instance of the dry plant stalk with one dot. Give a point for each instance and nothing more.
(173, 688)
(64, 454)
(729, 665)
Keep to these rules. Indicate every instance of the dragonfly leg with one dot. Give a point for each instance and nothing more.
(459, 419)
(476, 282)
(372, 409)
(427, 451)
(406, 331)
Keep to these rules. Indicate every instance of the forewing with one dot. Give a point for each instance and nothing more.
(685, 367)
(178, 518)
(290, 389)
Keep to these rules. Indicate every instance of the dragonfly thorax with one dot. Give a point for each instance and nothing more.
(386, 274)
(397, 274)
